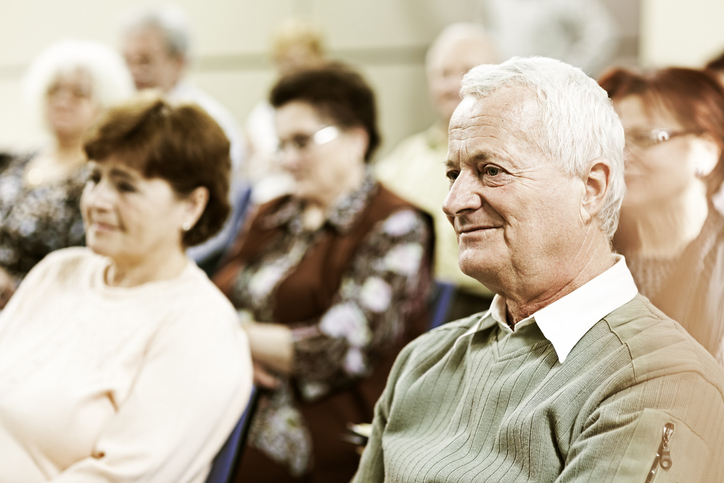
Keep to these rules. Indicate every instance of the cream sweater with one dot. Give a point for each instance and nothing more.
(107, 384)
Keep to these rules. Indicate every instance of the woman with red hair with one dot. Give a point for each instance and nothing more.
(671, 228)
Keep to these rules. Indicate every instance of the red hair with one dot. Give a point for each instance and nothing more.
(694, 97)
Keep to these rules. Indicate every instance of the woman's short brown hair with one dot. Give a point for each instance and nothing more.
(694, 97)
(180, 144)
(338, 93)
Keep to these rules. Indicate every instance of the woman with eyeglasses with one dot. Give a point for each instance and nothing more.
(66, 87)
(671, 227)
(330, 282)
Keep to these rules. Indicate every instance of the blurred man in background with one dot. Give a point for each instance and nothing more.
(415, 170)
(155, 44)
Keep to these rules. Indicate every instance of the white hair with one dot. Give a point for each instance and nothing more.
(111, 80)
(169, 21)
(578, 122)
(457, 32)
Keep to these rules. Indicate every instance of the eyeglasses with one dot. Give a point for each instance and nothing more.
(74, 91)
(300, 142)
(646, 139)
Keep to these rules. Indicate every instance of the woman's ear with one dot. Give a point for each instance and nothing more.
(597, 184)
(362, 140)
(707, 154)
(195, 205)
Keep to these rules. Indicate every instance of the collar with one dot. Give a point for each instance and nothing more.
(566, 321)
(341, 215)
(180, 91)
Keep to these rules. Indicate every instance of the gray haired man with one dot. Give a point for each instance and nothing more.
(571, 375)
(156, 45)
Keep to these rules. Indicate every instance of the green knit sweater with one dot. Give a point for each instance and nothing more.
(489, 406)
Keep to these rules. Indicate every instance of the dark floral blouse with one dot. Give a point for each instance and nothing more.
(387, 279)
(34, 221)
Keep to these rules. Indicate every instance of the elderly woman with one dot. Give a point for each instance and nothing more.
(122, 361)
(671, 229)
(297, 44)
(68, 86)
(331, 281)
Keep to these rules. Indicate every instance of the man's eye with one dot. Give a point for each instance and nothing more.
(491, 171)
(452, 175)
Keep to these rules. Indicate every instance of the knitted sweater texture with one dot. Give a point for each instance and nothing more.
(482, 406)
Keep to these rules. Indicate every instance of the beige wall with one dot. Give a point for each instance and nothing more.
(386, 39)
(681, 32)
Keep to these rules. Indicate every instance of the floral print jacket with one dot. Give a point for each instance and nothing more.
(386, 279)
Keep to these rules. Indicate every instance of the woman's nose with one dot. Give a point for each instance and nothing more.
(630, 154)
(289, 158)
(97, 196)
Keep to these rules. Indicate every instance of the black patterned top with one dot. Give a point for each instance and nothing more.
(35, 220)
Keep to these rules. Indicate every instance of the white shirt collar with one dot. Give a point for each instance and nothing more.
(566, 321)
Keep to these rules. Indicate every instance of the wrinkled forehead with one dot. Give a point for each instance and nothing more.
(465, 52)
(508, 109)
(147, 40)
(505, 124)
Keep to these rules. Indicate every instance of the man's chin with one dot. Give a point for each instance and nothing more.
(476, 265)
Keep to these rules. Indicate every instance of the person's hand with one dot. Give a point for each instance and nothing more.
(263, 377)
(7, 287)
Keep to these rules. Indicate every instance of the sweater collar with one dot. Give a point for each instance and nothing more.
(566, 321)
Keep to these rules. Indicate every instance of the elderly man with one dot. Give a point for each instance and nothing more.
(571, 375)
(155, 44)
(415, 170)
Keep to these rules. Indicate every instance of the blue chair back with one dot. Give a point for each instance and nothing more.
(442, 298)
(227, 459)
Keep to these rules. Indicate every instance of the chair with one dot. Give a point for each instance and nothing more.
(228, 457)
(208, 255)
(442, 298)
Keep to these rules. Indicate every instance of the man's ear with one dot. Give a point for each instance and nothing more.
(597, 183)
(180, 63)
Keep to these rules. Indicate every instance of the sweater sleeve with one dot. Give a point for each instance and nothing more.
(388, 280)
(680, 415)
(371, 467)
(191, 389)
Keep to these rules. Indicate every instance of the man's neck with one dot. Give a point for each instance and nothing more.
(590, 262)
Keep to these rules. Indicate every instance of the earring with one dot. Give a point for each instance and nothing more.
(699, 171)
(186, 226)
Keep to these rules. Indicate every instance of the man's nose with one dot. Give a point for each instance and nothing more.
(462, 196)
